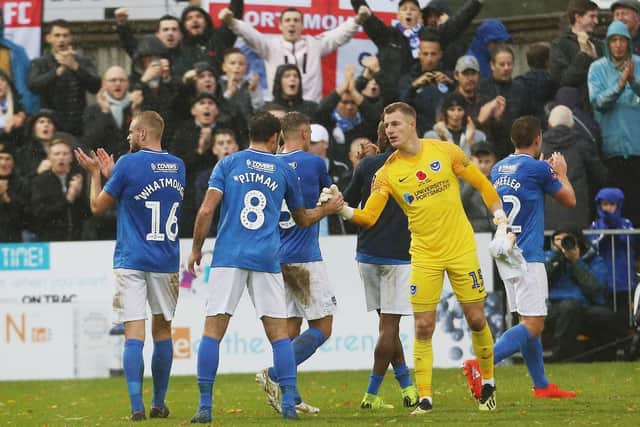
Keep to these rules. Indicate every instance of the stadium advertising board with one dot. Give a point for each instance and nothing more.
(22, 22)
(64, 307)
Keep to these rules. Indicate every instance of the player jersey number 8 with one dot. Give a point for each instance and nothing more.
(252, 214)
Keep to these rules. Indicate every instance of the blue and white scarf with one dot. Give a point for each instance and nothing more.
(413, 35)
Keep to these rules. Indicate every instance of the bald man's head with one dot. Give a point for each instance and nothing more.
(116, 81)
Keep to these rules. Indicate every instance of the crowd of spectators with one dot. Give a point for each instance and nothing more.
(194, 74)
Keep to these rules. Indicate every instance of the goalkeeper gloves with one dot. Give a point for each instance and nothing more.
(499, 217)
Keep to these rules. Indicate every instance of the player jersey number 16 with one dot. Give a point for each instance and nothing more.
(170, 226)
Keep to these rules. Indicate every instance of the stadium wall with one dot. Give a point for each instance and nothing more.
(55, 305)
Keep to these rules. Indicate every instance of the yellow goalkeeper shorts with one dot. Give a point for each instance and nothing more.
(464, 273)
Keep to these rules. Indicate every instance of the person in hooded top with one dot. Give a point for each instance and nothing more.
(609, 203)
(489, 34)
(614, 88)
(585, 169)
(288, 91)
(202, 41)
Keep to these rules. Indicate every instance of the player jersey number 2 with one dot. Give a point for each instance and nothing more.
(252, 213)
(515, 210)
(170, 225)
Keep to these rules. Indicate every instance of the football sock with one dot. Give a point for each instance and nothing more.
(482, 343)
(304, 346)
(532, 355)
(510, 342)
(161, 370)
(374, 383)
(208, 356)
(284, 364)
(423, 363)
(402, 375)
(133, 364)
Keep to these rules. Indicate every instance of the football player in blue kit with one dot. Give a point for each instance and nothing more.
(148, 185)
(309, 293)
(522, 180)
(250, 186)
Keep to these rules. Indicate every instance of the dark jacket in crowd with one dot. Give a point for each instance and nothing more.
(12, 214)
(541, 89)
(54, 218)
(296, 103)
(569, 66)
(394, 51)
(28, 158)
(184, 144)
(102, 131)
(228, 113)
(477, 212)
(389, 238)
(584, 121)
(425, 99)
(211, 44)
(460, 44)
(66, 94)
(585, 171)
(130, 43)
(368, 117)
(499, 131)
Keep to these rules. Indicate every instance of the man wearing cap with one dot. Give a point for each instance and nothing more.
(398, 45)
(12, 195)
(628, 11)
(192, 143)
(575, 49)
(338, 171)
(202, 78)
(31, 156)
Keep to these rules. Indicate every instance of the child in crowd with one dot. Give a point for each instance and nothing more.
(613, 248)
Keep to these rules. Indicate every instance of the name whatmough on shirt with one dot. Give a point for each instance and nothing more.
(258, 178)
(159, 184)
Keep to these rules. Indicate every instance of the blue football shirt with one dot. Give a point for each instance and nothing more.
(149, 187)
(254, 185)
(300, 244)
(522, 181)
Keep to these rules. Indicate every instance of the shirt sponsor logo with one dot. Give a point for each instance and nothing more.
(261, 166)
(432, 189)
(164, 167)
(421, 175)
(408, 198)
(435, 166)
(507, 168)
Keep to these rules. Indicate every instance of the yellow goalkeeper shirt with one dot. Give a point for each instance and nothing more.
(427, 189)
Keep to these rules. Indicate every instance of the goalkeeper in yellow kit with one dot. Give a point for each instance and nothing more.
(422, 176)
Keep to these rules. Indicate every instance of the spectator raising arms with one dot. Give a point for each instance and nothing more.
(294, 47)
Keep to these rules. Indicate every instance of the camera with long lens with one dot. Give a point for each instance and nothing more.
(569, 242)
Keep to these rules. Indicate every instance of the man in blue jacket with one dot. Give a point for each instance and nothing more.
(614, 87)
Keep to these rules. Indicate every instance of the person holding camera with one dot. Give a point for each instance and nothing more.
(577, 284)
(424, 86)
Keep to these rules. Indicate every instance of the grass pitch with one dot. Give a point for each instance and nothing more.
(608, 394)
